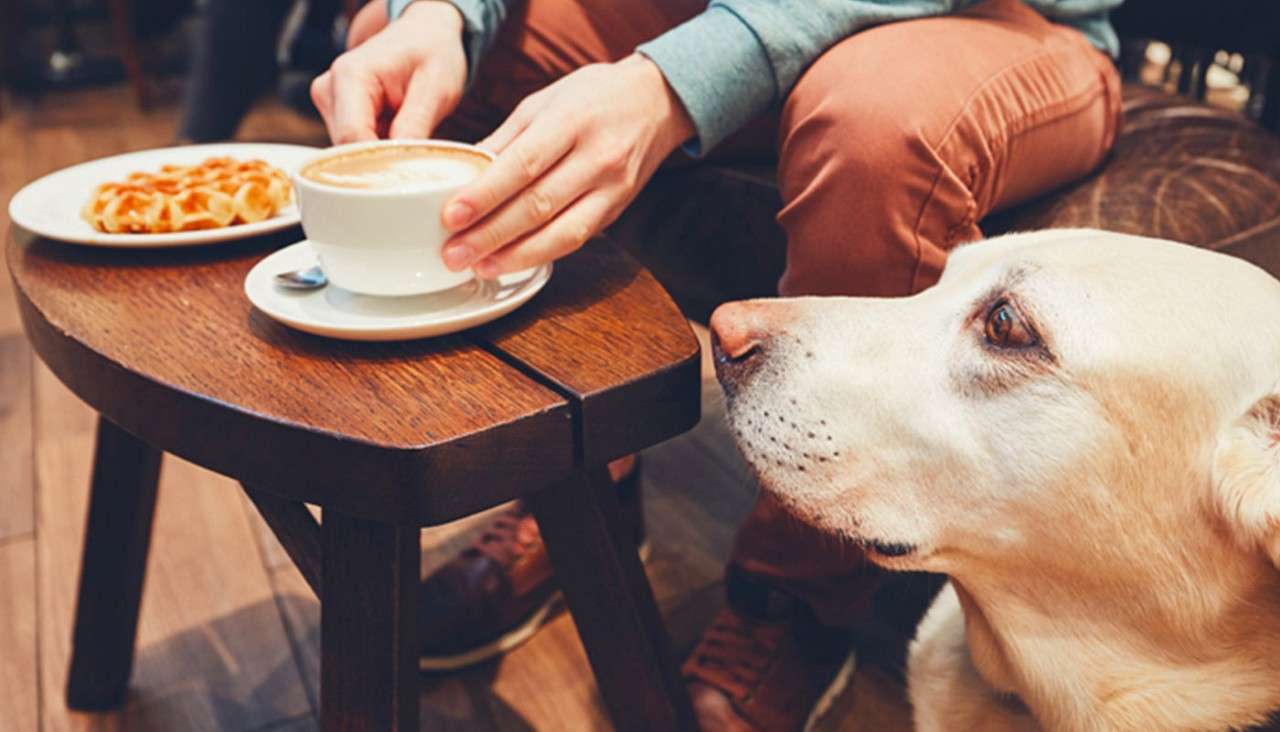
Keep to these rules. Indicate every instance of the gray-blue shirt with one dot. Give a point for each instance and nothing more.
(740, 57)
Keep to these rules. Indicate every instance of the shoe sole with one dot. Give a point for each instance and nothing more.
(506, 642)
(833, 691)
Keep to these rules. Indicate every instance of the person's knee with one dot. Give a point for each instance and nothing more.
(864, 151)
(843, 117)
(852, 179)
(870, 200)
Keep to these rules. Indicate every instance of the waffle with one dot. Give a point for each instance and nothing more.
(216, 193)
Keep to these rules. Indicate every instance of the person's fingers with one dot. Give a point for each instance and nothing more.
(539, 147)
(368, 21)
(357, 101)
(322, 97)
(426, 102)
(530, 209)
(564, 234)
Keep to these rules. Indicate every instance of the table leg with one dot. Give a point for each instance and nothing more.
(368, 625)
(122, 503)
(612, 605)
(296, 529)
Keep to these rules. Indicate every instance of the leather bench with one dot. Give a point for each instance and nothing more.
(1180, 170)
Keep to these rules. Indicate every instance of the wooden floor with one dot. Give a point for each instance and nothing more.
(229, 631)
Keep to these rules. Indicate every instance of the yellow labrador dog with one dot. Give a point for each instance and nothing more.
(1080, 428)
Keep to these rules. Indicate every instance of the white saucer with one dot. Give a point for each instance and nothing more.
(336, 313)
(50, 206)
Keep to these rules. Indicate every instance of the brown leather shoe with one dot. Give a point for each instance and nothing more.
(765, 664)
(497, 593)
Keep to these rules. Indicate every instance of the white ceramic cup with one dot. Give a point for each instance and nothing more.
(381, 241)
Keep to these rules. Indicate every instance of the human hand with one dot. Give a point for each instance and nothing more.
(368, 20)
(411, 72)
(569, 160)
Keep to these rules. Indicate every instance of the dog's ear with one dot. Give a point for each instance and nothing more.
(1246, 476)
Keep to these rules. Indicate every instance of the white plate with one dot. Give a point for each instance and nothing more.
(51, 205)
(336, 313)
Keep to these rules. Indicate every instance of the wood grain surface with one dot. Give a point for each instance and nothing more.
(427, 431)
(166, 344)
(368, 626)
(606, 333)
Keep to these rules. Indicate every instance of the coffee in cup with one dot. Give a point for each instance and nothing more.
(397, 166)
(371, 211)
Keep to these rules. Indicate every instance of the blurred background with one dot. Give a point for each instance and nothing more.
(193, 68)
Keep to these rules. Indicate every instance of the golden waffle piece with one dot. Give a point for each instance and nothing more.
(216, 193)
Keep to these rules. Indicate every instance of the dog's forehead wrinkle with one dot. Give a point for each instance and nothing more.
(1006, 278)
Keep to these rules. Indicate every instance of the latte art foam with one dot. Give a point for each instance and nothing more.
(395, 167)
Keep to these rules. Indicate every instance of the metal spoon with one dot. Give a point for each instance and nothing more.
(302, 279)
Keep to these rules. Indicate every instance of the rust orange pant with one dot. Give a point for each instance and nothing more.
(890, 149)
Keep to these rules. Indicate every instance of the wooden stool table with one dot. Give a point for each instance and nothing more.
(386, 438)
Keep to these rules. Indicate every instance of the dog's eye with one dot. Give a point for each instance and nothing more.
(1006, 329)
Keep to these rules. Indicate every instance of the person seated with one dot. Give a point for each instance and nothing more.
(897, 125)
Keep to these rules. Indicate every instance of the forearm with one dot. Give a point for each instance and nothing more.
(481, 19)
